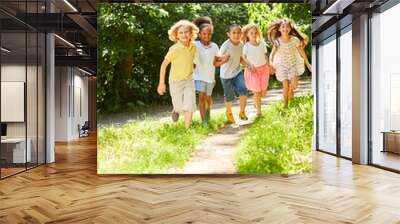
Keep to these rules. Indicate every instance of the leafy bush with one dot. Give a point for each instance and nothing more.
(280, 141)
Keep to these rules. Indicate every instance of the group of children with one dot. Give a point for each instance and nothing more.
(194, 58)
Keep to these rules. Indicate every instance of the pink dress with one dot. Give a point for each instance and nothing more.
(256, 54)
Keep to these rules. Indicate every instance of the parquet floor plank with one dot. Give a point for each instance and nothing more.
(70, 191)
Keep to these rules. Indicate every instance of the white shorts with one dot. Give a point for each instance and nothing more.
(183, 95)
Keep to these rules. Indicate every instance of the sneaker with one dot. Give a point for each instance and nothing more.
(229, 117)
(204, 123)
(175, 116)
(242, 116)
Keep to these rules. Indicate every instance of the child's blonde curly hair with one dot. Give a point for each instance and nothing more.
(173, 31)
(247, 28)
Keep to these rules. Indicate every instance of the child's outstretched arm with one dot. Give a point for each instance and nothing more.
(266, 58)
(196, 59)
(271, 59)
(222, 56)
(246, 63)
(220, 59)
(271, 68)
(300, 48)
(272, 55)
(161, 84)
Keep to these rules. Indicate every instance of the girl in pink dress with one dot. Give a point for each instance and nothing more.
(288, 56)
(257, 74)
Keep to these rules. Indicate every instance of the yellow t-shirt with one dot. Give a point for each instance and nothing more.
(181, 58)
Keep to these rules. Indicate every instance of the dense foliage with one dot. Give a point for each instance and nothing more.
(279, 142)
(132, 41)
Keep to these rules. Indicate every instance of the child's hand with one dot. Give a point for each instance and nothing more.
(226, 57)
(309, 67)
(223, 58)
(272, 70)
(252, 68)
(161, 88)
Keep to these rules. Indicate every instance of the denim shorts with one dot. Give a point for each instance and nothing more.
(231, 85)
(205, 87)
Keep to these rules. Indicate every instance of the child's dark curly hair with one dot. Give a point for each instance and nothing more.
(202, 22)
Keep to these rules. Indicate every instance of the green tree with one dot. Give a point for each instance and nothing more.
(120, 27)
(133, 40)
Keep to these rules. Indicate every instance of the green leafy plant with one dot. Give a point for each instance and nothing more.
(280, 141)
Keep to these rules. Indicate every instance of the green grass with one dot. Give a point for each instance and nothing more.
(280, 141)
(274, 83)
(149, 146)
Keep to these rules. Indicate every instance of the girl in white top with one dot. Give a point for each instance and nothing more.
(257, 75)
(288, 56)
(205, 60)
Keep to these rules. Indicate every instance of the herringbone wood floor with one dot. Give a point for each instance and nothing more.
(70, 191)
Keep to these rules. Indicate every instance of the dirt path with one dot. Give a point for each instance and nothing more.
(215, 155)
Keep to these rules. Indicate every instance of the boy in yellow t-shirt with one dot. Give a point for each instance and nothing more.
(181, 83)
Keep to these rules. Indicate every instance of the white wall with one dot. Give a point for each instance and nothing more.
(80, 94)
(33, 126)
(9, 73)
(13, 101)
(62, 82)
(70, 83)
(13, 72)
